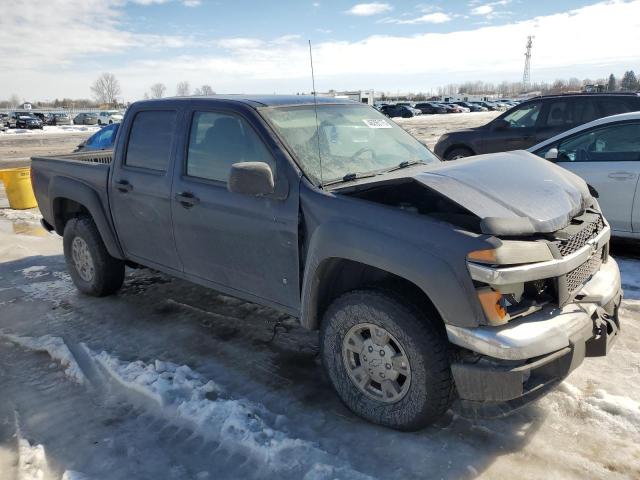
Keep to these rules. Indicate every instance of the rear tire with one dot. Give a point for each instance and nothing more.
(93, 271)
(457, 153)
(418, 386)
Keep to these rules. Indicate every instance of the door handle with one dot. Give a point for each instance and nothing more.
(187, 199)
(124, 186)
(622, 175)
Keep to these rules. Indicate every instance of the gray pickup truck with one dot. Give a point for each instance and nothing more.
(485, 280)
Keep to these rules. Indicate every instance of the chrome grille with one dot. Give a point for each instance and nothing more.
(578, 240)
(578, 277)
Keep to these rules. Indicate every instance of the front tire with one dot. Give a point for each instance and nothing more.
(405, 382)
(458, 153)
(93, 271)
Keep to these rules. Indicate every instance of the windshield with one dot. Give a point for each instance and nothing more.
(353, 139)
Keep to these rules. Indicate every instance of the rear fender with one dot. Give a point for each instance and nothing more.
(65, 188)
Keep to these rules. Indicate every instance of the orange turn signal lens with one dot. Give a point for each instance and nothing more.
(494, 311)
(483, 256)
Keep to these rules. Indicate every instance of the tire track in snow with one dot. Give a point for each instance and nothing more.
(239, 429)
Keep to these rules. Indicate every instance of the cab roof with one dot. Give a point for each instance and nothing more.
(263, 100)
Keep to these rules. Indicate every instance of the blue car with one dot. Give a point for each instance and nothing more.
(101, 140)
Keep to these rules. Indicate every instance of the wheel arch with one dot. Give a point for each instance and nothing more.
(71, 199)
(458, 145)
(338, 260)
(336, 276)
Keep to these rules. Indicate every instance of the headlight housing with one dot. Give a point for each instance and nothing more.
(512, 252)
(502, 303)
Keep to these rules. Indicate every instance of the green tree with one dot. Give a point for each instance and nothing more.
(629, 81)
(611, 86)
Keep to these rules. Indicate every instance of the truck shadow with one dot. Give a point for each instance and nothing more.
(253, 352)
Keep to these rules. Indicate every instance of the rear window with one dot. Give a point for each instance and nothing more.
(613, 106)
(151, 139)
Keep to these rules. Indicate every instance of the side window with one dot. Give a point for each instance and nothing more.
(150, 140)
(217, 141)
(523, 116)
(559, 114)
(614, 143)
(613, 106)
(584, 110)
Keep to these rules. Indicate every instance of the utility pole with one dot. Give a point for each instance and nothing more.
(526, 76)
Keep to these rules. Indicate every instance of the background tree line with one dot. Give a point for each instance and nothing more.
(107, 92)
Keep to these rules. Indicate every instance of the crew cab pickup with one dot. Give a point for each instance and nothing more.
(486, 280)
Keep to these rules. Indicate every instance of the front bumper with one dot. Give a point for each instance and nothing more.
(520, 361)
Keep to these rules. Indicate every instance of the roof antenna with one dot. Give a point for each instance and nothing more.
(315, 106)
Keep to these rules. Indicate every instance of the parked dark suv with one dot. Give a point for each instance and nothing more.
(403, 111)
(534, 121)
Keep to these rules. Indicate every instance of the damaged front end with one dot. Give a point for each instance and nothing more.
(543, 317)
(545, 282)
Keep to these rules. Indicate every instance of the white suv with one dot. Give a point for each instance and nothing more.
(109, 116)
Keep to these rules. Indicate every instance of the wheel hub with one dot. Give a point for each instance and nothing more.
(376, 363)
(82, 259)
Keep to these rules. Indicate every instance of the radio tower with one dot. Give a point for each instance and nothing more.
(526, 76)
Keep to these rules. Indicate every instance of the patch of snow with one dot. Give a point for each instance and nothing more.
(35, 271)
(54, 291)
(56, 348)
(73, 475)
(33, 215)
(52, 129)
(32, 461)
(236, 423)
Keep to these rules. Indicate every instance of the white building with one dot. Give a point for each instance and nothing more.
(362, 96)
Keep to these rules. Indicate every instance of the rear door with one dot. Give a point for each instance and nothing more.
(562, 114)
(140, 193)
(608, 158)
(241, 242)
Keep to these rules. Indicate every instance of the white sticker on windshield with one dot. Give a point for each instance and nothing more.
(375, 123)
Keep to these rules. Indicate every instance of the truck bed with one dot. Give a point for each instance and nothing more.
(97, 156)
(64, 176)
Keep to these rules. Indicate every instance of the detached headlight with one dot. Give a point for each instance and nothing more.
(502, 303)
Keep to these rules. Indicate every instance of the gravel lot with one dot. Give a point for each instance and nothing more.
(17, 146)
(168, 380)
(428, 128)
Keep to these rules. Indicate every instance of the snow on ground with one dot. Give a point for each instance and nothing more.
(57, 350)
(32, 215)
(182, 382)
(52, 129)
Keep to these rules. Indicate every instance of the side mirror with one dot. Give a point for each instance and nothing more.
(552, 154)
(500, 124)
(251, 178)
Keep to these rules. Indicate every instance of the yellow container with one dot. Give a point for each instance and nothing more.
(17, 183)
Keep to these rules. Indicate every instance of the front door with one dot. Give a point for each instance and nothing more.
(245, 243)
(141, 190)
(607, 158)
(515, 130)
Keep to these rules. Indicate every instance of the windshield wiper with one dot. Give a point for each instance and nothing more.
(405, 164)
(350, 177)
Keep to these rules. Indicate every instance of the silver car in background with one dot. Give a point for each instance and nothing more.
(606, 154)
(86, 119)
(59, 119)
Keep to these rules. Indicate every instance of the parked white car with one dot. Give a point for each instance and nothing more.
(606, 154)
(109, 116)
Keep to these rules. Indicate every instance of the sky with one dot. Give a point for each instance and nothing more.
(57, 48)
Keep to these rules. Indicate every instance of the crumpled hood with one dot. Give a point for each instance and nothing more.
(513, 193)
